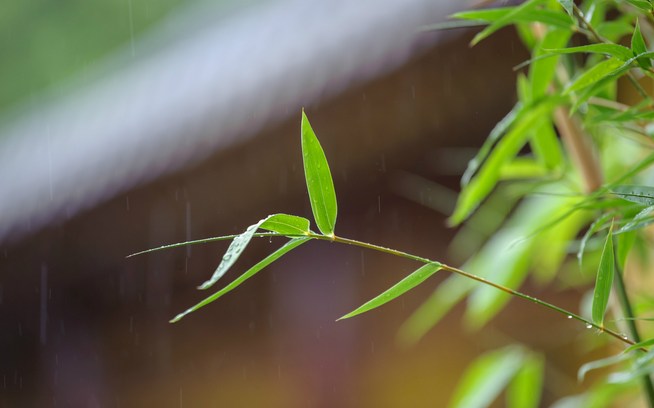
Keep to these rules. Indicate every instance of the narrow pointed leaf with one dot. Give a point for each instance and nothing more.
(568, 6)
(636, 194)
(643, 344)
(601, 363)
(505, 150)
(643, 5)
(286, 224)
(498, 131)
(604, 280)
(640, 220)
(319, 180)
(511, 17)
(594, 227)
(615, 50)
(406, 284)
(275, 222)
(595, 74)
(292, 244)
(491, 15)
(200, 241)
(638, 46)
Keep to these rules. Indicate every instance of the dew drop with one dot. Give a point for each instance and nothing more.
(589, 326)
(569, 317)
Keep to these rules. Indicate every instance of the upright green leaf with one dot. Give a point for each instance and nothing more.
(486, 377)
(604, 280)
(634, 193)
(281, 223)
(542, 70)
(319, 180)
(292, 244)
(414, 279)
(638, 46)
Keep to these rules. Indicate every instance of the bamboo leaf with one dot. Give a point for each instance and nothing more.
(542, 70)
(526, 388)
(604, 280)
(643, 5)
(406, 284)
(614, 50)
(594, 227)
(486, 377)
(200, 241)
(319, 180)
(640, 220)
(604, 362)
(642, 344)
(595, 74)
(634, 193)
(240, 242)
(505, 20)
(638, 46)
(292, 244)
(489, 174)
(498, 131)
(285, 224)
(568, 6)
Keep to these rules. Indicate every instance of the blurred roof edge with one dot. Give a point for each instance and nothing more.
(217, 86)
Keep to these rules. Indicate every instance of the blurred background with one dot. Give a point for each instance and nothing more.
(126, 125)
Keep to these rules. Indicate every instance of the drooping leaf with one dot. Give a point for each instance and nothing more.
(601, 363)
(526, 388)
(596, 73)
(445, 297)
(486, 377)
(292, 244)
(319, 180)
(406, 284)
(285, 224)
(614, 50)
(637, 194)
(604, 280)
(642, 366)
(241, 241)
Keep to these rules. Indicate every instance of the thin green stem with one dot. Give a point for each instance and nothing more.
(628, 312)
(474, 277)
